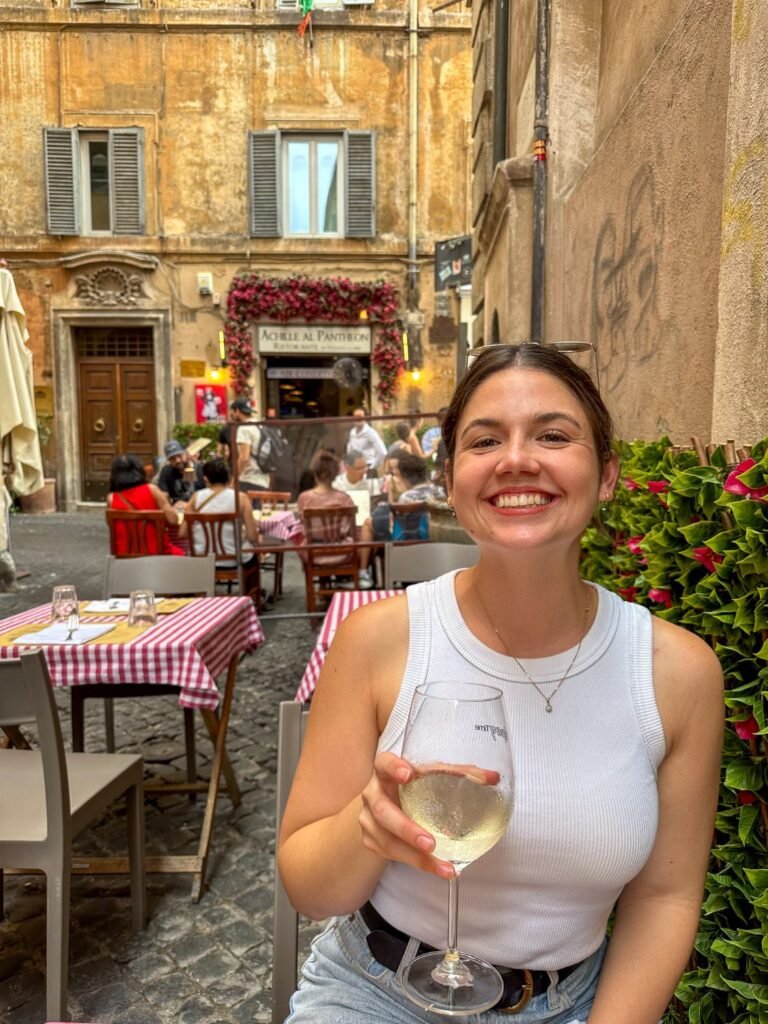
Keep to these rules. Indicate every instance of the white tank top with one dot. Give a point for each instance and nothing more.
(586, 802)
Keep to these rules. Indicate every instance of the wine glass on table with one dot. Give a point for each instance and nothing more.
(462, 793)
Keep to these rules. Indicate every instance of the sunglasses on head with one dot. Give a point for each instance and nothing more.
(568, 348)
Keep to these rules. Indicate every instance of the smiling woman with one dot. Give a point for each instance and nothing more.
(613, 718)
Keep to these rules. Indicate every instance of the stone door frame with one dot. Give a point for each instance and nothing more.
(69, 477)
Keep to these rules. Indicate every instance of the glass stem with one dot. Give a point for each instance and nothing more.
(452, 952)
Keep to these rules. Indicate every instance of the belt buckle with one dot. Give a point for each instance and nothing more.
(525, 998)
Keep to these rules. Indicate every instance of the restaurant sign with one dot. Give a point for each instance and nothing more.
(313, 340)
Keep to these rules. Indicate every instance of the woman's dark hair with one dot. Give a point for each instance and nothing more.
(403, 431)
(127, 471)
(496, 358)
(325, 467)
(216, 471)
(412, 469)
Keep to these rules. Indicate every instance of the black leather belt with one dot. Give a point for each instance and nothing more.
(387, 945)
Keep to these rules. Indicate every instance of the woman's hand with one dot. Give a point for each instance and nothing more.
(387, 830)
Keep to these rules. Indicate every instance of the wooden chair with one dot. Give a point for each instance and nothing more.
(275, 498)
(327, 556)
(134, 534)
(210, 540)
(166, 575)
(410, 520)
(48, 797)
(412, 563)
(273, 562)
(285, 926)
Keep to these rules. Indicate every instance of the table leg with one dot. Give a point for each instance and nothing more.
(14, 737)
(219, 726)
(213, 724)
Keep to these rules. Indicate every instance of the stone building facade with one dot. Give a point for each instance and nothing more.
(656, 206)
(155, 149)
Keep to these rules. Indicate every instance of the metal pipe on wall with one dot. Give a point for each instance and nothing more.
(413, 150)
(540, 139)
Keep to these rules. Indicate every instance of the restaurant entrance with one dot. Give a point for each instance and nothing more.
(301, 387)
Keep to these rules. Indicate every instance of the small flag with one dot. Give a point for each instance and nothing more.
(305, 6)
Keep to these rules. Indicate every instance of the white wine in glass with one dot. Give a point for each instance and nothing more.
(462, 793)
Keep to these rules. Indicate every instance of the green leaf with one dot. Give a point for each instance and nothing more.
(747, 820)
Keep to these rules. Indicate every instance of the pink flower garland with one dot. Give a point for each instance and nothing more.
(333, 300)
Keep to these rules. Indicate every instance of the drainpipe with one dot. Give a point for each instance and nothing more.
(540, 138)
(500, 80)
(413, 150)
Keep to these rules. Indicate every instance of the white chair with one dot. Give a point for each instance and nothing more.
(47, 797)
(285, 929)
(170, 576)
(412, 563)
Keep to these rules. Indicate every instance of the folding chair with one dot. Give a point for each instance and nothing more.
(412, 563)
(48, 797)
(327, 556)
(166, 575)
(285, 928)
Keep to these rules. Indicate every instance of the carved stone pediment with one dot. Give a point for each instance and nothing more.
(110, 286)
(110, 278)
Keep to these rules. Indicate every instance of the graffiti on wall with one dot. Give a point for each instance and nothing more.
(627, 329)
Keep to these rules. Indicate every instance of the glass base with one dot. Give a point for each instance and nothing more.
(456, 999)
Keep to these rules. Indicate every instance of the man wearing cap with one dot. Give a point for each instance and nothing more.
(249, 476)
(174, 479)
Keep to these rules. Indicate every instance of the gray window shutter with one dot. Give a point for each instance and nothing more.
(361, 184)
(126, 162)
(264, 184)
(61, 181)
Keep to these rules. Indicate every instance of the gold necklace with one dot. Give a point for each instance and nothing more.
(534, 684)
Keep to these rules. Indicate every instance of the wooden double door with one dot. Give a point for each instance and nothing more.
(117, 402)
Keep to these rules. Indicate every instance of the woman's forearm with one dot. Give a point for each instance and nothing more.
(325, 868)
(647, 953)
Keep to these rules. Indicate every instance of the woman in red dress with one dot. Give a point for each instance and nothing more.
(129, 490)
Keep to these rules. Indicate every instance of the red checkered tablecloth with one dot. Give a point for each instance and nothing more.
(342, 604)
(188, 649)
(283, 525)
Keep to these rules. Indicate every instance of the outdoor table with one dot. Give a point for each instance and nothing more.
(188, 648)
(342, 604)
(282, 525)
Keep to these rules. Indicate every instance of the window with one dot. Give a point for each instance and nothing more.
(319, 186)
(320, 5)
(94, 181)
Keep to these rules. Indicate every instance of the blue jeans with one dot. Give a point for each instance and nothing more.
(341, 983)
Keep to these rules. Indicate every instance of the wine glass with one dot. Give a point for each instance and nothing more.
(64, 606)
(462, 793)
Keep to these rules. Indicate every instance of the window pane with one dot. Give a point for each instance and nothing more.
(327, 166)
(298, 188)
(98, 171)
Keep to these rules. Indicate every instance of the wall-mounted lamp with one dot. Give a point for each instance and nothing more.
(222, 349)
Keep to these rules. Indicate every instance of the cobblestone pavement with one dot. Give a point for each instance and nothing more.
(196, 963)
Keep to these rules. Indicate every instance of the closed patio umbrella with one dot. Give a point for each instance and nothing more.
(19, 442)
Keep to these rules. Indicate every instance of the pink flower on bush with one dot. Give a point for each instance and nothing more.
(633, 543)
(745, 797)
(708, 558)
(631, 485)
(661, 596)
(629, 593)
(658, 486)
(735, 486)
(747, 728)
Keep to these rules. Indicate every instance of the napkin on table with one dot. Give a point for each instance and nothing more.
(57, 633)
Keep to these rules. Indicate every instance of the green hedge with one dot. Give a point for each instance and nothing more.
(676, 540)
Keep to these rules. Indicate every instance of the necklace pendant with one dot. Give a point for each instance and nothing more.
(549, 706)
